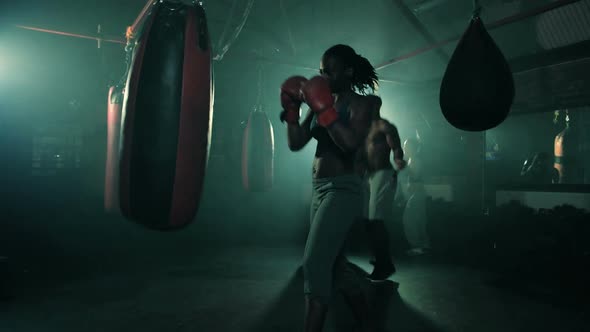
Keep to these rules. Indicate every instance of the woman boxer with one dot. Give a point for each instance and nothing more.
(339, 119)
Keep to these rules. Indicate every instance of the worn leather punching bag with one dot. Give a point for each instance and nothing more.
(567, 159)
(167, 118)
(111, 188)
(477, 89)
(258, 153)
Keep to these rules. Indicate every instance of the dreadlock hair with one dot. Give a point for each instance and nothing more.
(364, 76)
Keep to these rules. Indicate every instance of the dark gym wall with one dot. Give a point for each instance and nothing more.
(59, 84)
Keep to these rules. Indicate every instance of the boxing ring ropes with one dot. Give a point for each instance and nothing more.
(434, 45)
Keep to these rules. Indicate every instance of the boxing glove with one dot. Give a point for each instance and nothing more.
(317, 94)
(291, 98)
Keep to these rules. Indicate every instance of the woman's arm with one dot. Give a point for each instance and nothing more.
(350, 137)
(299, 134)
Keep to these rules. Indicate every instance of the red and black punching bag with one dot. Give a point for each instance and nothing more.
(477, 89)
(168, 111)
(114, 105)
(258, 148)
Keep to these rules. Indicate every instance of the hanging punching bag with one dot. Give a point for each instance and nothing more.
(167, 118)
(477, 89)
(258, 153)
(566, 159)
(114, 105)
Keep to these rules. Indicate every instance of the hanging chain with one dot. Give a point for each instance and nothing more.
(567, 118)
(476, 8)
(555, 116)
(259, 97)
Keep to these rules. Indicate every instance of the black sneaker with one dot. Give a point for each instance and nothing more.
(382, 271)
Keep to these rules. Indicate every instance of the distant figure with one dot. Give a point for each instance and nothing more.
(382, 180)
(414, 219)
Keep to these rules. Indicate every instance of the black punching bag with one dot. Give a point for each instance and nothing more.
(477, 89)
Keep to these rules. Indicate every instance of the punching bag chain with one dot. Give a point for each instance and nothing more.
(227, 25)
(476, 8)
(222, 49)
(259, 97)
(567, 118)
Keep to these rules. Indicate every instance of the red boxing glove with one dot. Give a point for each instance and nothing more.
(317, 94)
(291, 98)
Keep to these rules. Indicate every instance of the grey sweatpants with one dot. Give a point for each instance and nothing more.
(380, 190)
(336, 203)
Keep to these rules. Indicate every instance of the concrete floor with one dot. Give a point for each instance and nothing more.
(259, 289)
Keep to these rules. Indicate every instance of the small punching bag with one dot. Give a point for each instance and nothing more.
(566, 157)
(114, 105)
(477, 89)
(258, 153)
(167, 118)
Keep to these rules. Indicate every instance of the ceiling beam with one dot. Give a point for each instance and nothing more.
(553, 57)
(510, 19)
(266, 34)
(314, 70)
(421, 28)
